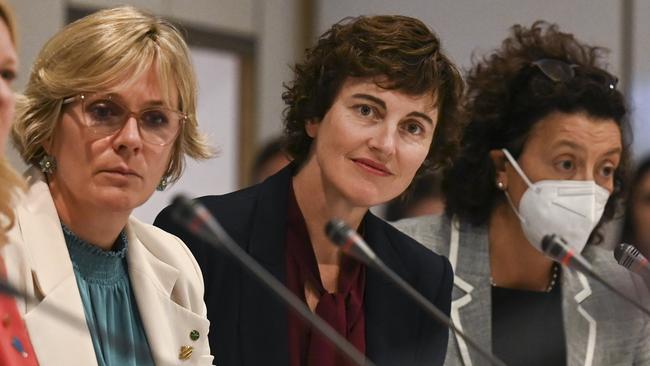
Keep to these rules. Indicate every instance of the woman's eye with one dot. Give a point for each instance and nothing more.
(155, 118)
(414, 128)
(8, 75)
(104, 111)
(566, 165)
(365, 110)
(608, 171)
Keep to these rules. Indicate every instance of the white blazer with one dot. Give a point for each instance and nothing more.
(166, 281)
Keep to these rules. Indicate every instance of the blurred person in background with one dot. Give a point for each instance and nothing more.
(15, 347)
(270, 159)
(423, 198)
(636, 224)
(544, 151)
(107, 117)
(372, 104)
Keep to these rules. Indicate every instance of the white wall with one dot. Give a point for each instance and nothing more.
(641, 79)
(466, 26)
(279, 47)
(36, 22)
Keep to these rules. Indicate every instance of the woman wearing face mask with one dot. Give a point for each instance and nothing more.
(108, 115)
(372, 102)
(544, 152)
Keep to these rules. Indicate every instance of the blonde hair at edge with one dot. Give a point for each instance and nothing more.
(9, 180)
(99, 52)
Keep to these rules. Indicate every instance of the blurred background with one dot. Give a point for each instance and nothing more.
(243, 50)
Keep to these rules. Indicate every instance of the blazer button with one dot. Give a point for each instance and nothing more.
(194, 335)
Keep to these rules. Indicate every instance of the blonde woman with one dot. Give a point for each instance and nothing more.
(8, 70)
(107, 116)
(15, 348)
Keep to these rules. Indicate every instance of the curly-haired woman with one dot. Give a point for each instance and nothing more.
(372, 104)
(544, 152)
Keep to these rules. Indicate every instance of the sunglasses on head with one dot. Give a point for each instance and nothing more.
(562, 72)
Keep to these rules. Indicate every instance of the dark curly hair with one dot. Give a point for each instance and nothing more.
(399, 52)
(507, 95)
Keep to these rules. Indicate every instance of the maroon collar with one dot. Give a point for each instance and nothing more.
(343, 310)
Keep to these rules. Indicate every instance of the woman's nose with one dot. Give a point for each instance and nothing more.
(384, 140)
(129, 135)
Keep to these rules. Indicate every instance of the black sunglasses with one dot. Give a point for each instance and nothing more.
(562, 72)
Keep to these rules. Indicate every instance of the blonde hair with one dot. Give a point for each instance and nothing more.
(96, 53)
(9, 180)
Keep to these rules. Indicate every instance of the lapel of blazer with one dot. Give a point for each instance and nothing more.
(389, 315)
(580, 326)
(263, 323)
(166, 323)
(471, 309)
(58, 339)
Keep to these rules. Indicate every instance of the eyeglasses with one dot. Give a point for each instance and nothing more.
(104, 115)
(560, 71)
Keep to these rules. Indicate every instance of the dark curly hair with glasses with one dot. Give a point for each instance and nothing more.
(537, 71)
(398, 53)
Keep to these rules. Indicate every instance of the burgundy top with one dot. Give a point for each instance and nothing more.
(342, 310)
(15, 348)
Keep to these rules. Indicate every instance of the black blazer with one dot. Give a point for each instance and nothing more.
(248, 326)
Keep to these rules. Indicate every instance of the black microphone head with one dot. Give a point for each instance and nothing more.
(547, 242)
(336, 230)
(183, 210)
(555, 247)
(349, 241)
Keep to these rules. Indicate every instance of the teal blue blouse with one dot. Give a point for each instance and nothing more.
(110, 307)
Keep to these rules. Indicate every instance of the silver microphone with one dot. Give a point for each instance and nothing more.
(629, 257)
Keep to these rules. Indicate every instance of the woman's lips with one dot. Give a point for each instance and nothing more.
(120, 172)
(373, 167)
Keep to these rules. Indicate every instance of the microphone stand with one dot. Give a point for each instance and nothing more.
(557, 250)
(352, 244)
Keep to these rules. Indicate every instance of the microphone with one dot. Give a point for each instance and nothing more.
(557, 249)
(7, 289)
(629, 257)
(194, 217)
(351, 243)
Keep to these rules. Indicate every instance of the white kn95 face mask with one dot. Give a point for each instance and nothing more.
(570, 209)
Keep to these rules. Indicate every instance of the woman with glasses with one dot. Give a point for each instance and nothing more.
(107, 117)
(544, 152)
